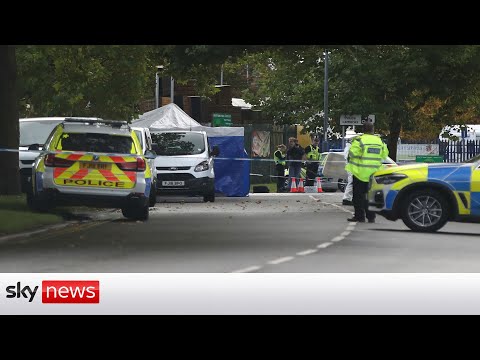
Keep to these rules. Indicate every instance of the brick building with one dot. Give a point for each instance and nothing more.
(202, 109)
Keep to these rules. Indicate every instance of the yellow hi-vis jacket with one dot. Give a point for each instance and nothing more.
(314, 153)
(279, 158)
(365, 156)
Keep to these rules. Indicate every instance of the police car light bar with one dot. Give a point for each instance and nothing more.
(113, 123)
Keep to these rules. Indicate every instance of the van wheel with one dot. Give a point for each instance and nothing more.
(425, 211)
(342, 184)
(209, 197)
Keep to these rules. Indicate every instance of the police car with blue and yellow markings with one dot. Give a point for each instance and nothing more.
(426, 196)
(93, 162)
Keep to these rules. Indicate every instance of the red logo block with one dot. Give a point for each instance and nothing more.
(70, 291)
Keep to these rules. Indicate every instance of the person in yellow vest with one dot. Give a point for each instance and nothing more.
(280, 157)
(364, 158)
(312, 153)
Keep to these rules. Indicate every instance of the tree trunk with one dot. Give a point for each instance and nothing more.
(392, 140)
(9, 133)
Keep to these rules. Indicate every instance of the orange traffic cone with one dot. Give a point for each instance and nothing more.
(301, 188)
(319, 185)
(293, 187)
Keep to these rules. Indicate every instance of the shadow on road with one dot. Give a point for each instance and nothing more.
(443, 233)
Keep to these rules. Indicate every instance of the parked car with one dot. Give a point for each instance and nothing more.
(92, 162)
(33, 134)
(332, 170)
(427, 195)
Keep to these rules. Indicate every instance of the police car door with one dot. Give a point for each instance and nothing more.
(475, 190)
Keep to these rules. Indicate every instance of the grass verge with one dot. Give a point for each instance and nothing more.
(15, 216)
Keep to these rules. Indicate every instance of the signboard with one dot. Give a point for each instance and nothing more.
(222, 119)
(356, 119)
(260, 143)
(351, 120)
(429, 158)
(408, 152)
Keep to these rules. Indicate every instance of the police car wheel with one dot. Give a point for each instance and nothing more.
(153, 196)
(425, 211)
(342, 185)
(209, 197)
(136, 213)
(38, 203)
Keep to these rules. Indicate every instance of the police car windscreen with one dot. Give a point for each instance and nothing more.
(32, 132)
(92, 142)
(179, 143)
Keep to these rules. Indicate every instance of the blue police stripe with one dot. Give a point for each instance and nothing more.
(457, 177)
(475, 200)
(392, 194)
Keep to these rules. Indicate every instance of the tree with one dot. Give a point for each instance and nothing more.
(400, 84)
(87, 80)
(9, 179)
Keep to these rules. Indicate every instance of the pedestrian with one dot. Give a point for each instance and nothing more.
(312, 153)
(280, 157)
(364, 158)
(348, 193)
(295, 156)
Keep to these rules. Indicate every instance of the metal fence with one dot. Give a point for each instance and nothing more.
(452, 151)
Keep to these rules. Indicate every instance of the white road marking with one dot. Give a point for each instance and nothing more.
(307, 252)
(351, 227)
(338, 238)
(248, 269)
(281, 260)
(324, 245)
(345, 233)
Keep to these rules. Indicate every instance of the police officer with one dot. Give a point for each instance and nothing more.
(364, 158)
(312, 153)
(280, 157)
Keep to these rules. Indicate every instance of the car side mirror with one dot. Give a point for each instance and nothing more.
(215, 151)
(150, 154)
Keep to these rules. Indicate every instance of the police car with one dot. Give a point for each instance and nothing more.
(93, 163)
(427, 196)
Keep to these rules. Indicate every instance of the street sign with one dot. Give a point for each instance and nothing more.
(351, 120)
(222, 119)
(429, 158)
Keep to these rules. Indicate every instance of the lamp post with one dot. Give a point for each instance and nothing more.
(157, 85)
(325, 104)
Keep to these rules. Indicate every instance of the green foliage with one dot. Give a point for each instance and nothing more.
(87, 80)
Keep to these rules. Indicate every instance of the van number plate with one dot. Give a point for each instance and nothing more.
(173, 183)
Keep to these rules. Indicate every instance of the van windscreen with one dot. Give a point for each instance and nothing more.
(179, 143)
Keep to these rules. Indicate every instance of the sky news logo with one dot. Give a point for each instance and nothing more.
(58, 292)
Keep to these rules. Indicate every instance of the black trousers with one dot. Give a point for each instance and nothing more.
(280, 171)
(312, 169)
(360, 200)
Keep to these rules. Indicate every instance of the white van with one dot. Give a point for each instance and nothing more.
(184, 163)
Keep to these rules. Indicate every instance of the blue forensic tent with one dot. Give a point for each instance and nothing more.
(232, 168)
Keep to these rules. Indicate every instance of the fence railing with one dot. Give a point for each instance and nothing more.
(452, 151)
